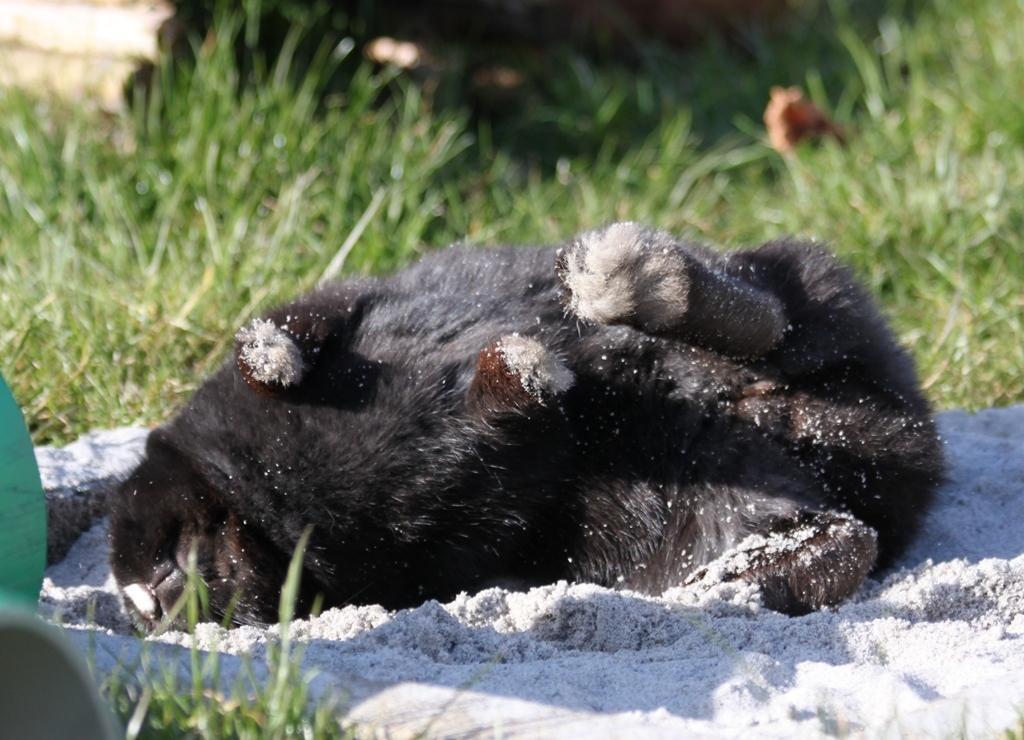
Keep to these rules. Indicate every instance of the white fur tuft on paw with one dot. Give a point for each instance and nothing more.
(626, 270)
(270, 354)
(540, 371)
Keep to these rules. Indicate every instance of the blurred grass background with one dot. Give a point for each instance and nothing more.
(132, 245)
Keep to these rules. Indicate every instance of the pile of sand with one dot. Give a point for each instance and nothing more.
(934, 649)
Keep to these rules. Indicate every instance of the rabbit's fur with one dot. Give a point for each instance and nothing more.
(623, 409)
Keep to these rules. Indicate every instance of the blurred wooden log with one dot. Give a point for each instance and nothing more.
(79, 48)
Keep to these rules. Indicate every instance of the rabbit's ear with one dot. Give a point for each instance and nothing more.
(517, 373)
(275, 354)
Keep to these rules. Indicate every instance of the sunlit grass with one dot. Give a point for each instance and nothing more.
(132, 246)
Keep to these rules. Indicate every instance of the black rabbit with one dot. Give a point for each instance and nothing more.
(624, 409)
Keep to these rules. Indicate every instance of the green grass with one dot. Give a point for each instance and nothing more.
(132, 246)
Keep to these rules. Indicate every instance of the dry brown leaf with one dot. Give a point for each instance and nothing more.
(790, 119)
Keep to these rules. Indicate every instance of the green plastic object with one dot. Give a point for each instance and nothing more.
(22, 510)
(45, 688)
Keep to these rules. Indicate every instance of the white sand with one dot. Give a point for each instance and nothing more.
(935, 649)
